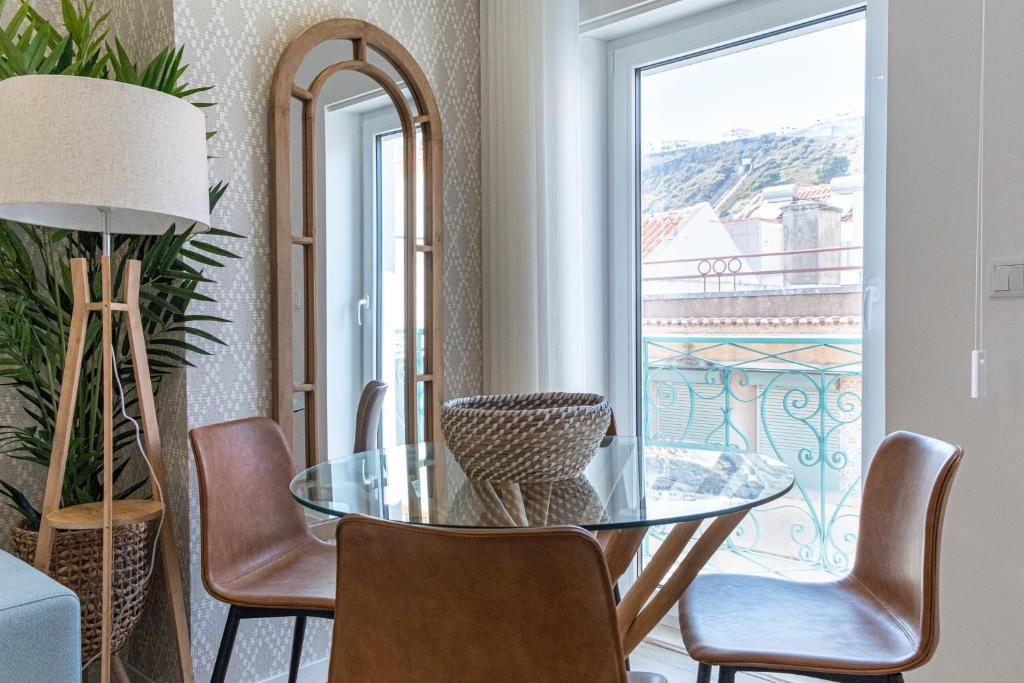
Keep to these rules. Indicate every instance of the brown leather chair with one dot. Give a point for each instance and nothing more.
(258, 553)
(371, 401)
(474, 605)
(870, 626)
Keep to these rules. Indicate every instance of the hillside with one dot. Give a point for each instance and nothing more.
(716, 173)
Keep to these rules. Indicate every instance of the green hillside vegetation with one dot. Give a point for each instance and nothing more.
(709, 173)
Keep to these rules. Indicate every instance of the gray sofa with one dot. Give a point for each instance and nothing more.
(40, 626)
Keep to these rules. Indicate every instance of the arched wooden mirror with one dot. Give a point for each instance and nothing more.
(357, 231)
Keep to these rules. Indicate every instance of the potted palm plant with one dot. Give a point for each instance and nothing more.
(35, 311)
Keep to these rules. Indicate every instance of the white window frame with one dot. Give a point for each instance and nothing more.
(378, 123)
(725, 26)
(372, 115)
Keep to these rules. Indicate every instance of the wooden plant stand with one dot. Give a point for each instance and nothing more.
(110, 512)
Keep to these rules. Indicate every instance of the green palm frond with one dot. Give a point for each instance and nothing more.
(35, 275)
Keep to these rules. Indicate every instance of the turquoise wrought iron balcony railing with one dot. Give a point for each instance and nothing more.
(795, 398)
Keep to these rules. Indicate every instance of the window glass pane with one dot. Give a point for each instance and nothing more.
(751, 235)
(390, 214)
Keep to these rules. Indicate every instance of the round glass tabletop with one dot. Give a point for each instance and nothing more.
(423, 484)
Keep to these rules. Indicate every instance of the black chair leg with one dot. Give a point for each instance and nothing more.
(726, 675)
(227, 643)
(703, 673)
(300, 632)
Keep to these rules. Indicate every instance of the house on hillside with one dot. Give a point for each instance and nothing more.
(679, 248)
(693, 251)
(789, 217)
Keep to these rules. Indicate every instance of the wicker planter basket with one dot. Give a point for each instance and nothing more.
(525, 437)
(77, 562)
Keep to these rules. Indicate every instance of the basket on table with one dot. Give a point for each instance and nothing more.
(525, 437)
(502, 504)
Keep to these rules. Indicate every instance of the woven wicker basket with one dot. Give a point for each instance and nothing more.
(525, 437)
(483, 503)
(77, 562)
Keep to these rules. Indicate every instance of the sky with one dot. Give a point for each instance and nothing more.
(791, 82)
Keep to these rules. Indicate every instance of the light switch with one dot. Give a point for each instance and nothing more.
(1007, 277)
(1017, 278)
(1001, 279)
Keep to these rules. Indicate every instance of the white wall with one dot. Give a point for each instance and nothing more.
(933, 57)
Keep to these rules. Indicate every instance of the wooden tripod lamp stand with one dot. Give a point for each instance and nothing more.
(97, 155)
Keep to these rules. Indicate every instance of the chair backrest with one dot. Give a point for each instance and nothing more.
(246, 513)
(368, 416)
(426, 604)
(902, 508)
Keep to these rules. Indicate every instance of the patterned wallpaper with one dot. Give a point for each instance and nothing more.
(235, 44)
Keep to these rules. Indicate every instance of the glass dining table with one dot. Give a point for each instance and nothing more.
(629, 487)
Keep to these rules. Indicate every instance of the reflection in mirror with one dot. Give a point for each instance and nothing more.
(421, 205)
(388, 213)
(380, 61)
(299, 315)
(295, 131)
(359, 161)
(422, 285)
(350, 305)
(299, 435)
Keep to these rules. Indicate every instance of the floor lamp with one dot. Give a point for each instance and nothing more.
(101, 156)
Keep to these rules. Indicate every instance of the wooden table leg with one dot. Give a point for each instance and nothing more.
(620, 547)
(638, 612)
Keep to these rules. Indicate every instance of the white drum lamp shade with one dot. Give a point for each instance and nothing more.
(71, 146)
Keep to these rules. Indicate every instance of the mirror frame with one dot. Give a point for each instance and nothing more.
(283, 91)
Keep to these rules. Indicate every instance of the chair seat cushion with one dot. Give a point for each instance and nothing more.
(303, 578)
(768, 623)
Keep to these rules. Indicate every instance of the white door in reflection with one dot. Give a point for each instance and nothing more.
(388, 309)
(364, 279)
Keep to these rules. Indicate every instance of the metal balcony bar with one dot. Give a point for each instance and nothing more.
(733, 274)
(794, 398)
(794, 252)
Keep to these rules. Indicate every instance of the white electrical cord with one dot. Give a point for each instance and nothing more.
(978, 354)
(152, 478)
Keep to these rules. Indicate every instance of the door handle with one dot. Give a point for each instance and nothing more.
(872, 296)
(363, 303)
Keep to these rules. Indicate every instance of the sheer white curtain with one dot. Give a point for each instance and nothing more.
(532, 240)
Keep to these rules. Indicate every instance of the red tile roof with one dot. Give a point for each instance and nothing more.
(660, 226)
(820, 193)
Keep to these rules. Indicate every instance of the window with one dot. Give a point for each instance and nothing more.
(745, 210)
